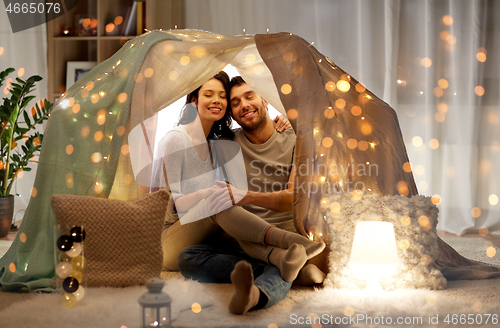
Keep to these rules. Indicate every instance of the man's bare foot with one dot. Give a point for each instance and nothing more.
(309, 275)
(246, 294)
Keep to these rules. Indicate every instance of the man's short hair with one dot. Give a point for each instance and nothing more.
(236, 81)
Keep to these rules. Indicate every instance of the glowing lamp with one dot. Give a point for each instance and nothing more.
(374, 254)
(156, 311)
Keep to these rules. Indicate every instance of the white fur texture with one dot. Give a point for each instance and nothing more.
(416, 238)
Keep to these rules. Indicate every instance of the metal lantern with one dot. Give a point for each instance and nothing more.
(156, 311)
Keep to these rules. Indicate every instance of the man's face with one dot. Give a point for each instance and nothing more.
(248, 108)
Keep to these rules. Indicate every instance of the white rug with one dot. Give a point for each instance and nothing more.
(109, 307)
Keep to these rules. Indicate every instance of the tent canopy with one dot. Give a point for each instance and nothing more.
(347, 138)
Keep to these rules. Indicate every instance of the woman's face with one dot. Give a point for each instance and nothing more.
(212, 101)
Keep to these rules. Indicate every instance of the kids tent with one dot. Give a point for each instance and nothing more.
(88, 148)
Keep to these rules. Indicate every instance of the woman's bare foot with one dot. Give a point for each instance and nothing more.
(246, 294)
(289, 261)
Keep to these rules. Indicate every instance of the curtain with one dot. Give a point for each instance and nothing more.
(435, 62)
(26, 51)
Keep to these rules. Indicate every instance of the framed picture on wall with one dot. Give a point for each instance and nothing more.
(75, 70)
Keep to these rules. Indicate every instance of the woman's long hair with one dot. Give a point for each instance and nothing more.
(222, 127)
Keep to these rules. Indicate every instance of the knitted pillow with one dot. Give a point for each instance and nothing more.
(414, 221)
(123, 238)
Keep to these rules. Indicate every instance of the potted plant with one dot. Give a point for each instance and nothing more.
(18, 127)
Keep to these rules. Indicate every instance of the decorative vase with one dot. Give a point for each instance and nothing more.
(6, 213)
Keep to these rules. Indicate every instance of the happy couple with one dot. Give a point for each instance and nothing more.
(264, 254)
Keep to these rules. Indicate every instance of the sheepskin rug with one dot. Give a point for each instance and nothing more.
(303, 307)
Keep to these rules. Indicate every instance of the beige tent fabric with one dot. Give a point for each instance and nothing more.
(101, 135)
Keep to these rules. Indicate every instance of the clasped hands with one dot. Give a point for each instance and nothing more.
(223, 195)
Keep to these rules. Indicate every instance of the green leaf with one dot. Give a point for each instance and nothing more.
(27, 119)
(27, 100)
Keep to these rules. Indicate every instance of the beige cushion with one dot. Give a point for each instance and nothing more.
(123, 238)
(414, 219)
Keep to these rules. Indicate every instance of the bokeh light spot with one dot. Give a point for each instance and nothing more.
(118, 20)
(125, 149)
(20, 72)
(101, 116)
(434, 144)
(356, 110)
(330, 86)
(481, 56)
(443, 107)
(327, 142)
(356, 195)
(451, 39)
(348, 311)
(173, 75)
(352, 143)
(402, 187)
(493, 199)
(286, 89)
(438, 92)
(425, 260)
(120, 130)
(443, 83)
(404, 244)
(436, 199)
(98, 136)
(423, 221)
(33, 192)
(292, 114)
(360, 88)
(329, 112)
(22, 237)
(138, 77)
(69, 149)
(75, 108)
(426, 62)
(417, 141)
(340, 103)
(148, 72)
(407, 167)
(96, 157)
(366, 129)
(419, 170)
(250, 58)
(476, 212)
(439, 117)
(185, 60)
(447, 20)
(343, 86)
(127, 179)
(122, 97)
(287, 56)
(491, 251)
(196, 307)
(85, 131)
(479, 90)
(483, 231)
(363, 145)
(405, 220)
(12, 267)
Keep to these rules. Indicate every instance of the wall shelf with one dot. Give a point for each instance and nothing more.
(159, 14)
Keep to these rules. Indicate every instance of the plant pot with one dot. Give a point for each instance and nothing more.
(6, 213)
